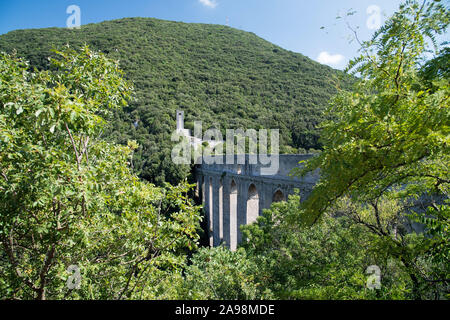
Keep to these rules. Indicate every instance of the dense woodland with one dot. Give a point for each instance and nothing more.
(79, 221)
(225, 77)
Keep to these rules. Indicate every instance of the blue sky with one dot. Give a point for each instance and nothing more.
(292, 24)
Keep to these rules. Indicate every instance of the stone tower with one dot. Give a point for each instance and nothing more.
(180, 124)
(180, 120)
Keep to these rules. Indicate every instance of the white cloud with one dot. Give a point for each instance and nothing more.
(330, 59)
(209, 3)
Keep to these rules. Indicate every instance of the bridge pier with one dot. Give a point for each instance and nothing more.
(217, 208)
(208, 209)
(226, 184)
(241, 209)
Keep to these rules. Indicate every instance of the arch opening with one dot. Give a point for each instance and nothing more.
(278, 196)
(252, 204)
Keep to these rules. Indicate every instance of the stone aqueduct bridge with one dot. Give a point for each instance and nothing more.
(235, 194)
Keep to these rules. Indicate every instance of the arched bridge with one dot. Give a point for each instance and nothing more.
(235, 194)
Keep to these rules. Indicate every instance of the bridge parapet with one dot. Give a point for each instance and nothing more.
(250, 165)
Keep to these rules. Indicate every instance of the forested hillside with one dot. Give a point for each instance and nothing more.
(225, 77)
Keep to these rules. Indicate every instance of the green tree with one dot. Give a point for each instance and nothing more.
(327, 260)
(390, 135)
(69, 198)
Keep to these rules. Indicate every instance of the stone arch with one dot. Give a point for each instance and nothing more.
(252, 204)
(202, 191)
(278, 196)
(233, 215)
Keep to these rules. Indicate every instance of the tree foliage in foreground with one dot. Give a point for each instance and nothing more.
(69, 198)
(390, 139)
(281, 258)
(220, 274)
(325, 261)
(392, 129)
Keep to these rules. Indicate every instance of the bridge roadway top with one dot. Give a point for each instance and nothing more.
(251, 167)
